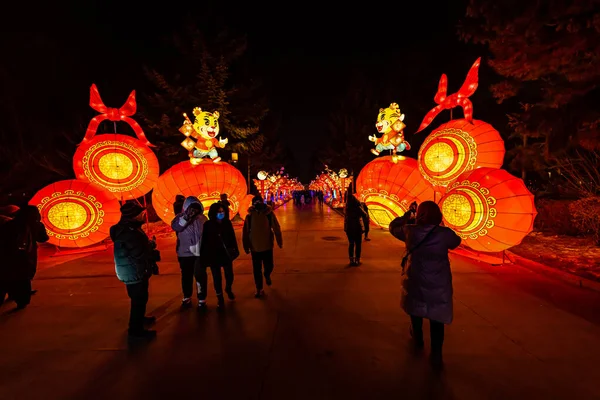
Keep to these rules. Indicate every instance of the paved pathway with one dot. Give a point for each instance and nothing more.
(324, 331)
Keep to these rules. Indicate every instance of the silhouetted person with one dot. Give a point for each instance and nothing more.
(354, 227)
(218, 250)
(189, 225)
(366, 221)
(225, 203)
(261, 229)
(427, 288)
(19, 238)
(134, 263)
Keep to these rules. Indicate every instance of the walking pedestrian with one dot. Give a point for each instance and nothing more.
(354, 228)
(427, 286)
(19, 240)
(134, 262)
(261, 230)
(218, 251)
(189, 225)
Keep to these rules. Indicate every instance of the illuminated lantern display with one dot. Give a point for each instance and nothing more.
(458, 99)
(123, 165)
(245, 204)
(204, 130)
(457, 147)
(389, 188)
(389, 123)
(119, 163)
(489, 208)
(76, 213)
(207, 181)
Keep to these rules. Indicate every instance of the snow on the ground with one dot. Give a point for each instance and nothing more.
(576, 255)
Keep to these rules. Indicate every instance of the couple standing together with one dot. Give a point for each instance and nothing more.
(211, 243)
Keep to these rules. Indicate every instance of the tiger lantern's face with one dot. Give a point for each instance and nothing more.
(390, 119)
(206, 123)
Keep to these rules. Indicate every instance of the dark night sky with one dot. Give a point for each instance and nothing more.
(305, 54)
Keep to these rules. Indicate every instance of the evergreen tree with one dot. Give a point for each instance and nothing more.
(547, 53)
(206, 80)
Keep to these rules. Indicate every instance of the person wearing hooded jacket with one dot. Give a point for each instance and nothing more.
(133, 253)
(189, 225)
(260, 231)
(427, 288)
(218, 250)
(19, 238)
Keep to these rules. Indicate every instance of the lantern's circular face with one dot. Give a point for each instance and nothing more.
(119, 163)
(457, 147)
(468, 209)
(446, 154)
(76, 213)
(343, 173)
(115, 166)
(262, 175)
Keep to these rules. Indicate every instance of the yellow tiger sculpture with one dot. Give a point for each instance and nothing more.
(205, 130)
(390, 123)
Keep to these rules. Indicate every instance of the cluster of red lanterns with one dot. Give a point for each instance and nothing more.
(458, 166)
(113, 168)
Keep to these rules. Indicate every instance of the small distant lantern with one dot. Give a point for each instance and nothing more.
(234, 157)
(343, 173)
(262, 175)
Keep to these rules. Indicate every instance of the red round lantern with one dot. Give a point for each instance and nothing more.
(489, 208)
(76, 213)
(207, 181)
(119, 163)
(457, 147)
(389, 188)
(245, 204)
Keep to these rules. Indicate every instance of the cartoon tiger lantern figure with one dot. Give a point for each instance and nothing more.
(205, 130)
(390, 123)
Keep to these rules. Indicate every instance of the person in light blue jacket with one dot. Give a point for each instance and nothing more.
(189, 225)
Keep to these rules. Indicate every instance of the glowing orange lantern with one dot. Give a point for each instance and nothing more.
(389, 188)
(76, 213)
(457, 147)
(207, 181)
(489, 208)
(119, 163)
(123, 165)
(245, 204)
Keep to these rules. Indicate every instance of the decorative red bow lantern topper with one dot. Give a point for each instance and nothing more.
(114, 114)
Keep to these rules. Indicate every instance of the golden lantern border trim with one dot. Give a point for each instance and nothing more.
(469, 164)
(110, 186)
(74, 195)
(488, 201)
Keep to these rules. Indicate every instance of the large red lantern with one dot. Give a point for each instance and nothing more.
(388, 188)
(457, 147)
(76, 213)
(207, 181)
(489, 208)
(123, 165)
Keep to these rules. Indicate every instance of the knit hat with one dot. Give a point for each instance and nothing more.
(131, 210)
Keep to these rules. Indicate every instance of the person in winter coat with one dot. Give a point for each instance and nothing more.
(427, 288)
(189, 225)
(261, 230)
(411, 214)
(366, 221)
(218, 250)
(133, 253)
(354, 227)
(19, 240)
